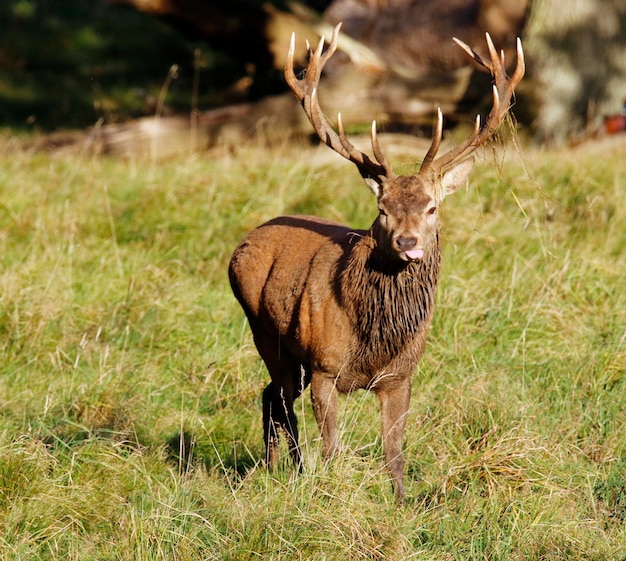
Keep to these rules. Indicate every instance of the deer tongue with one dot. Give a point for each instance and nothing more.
(414, 253)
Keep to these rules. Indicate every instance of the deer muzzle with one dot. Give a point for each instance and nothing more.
(408, 248)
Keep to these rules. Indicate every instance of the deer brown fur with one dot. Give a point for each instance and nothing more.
(344, 309)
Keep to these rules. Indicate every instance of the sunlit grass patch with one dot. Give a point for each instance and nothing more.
(130, 389)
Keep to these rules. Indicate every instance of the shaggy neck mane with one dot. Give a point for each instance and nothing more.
(390, 301)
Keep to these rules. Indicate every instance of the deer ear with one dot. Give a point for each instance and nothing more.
(374, 185)
(455, 178)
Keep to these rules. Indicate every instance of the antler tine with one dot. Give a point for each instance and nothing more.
(305, 90)
(332, 47)
(457, 152)
(497, 63)
(356, 154)
(473, 54)
(434, 146)
(378, 153)
(502, 93)
(520, 68)
(290, 75)
(316, 64)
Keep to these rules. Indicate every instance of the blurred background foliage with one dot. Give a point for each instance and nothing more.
(74, 62)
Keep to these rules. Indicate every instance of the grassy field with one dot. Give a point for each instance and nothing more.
(130, 413)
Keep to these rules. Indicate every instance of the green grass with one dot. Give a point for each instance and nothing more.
(130, 415)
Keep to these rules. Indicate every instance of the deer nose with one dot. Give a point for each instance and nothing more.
(405, 244)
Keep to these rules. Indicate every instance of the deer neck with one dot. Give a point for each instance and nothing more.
(373, 267)
(390, 301)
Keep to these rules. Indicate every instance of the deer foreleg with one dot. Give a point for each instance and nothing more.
(324, 399)
(394, 408)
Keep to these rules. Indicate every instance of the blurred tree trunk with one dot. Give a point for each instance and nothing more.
(577, 67)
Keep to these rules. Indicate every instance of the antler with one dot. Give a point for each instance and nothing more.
(502, 92)
(306, 92)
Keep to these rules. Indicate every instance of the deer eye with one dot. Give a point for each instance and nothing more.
(431, 210)
(382, 212)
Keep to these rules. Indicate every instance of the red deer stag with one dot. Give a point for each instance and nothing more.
(343, 309)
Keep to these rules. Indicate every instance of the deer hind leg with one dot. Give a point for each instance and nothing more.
(272, 423)
(287, 384)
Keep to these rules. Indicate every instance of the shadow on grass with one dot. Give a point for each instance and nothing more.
(235, 460)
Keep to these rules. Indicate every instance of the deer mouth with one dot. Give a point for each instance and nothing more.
(412, 254)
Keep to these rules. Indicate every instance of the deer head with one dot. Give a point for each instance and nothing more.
(407, 224)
